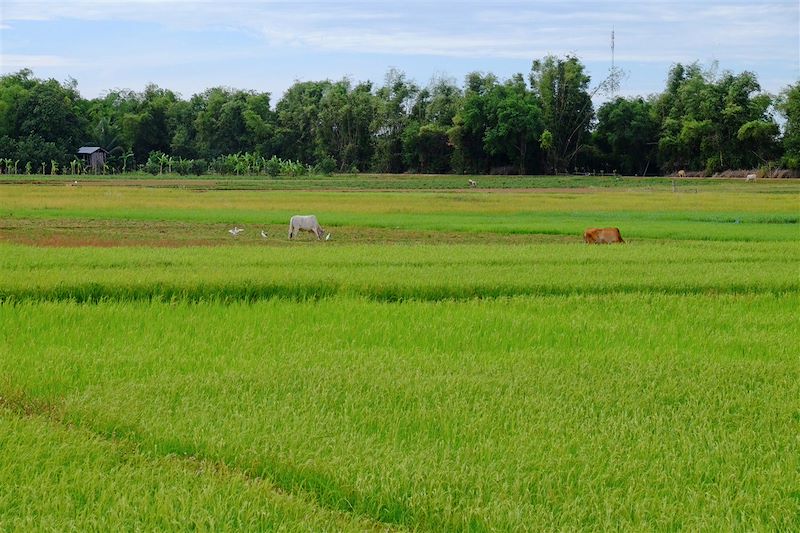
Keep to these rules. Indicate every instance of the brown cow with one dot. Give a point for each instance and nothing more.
(602, 236)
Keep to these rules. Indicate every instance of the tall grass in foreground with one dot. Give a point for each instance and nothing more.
(57, 478)
(623, 411)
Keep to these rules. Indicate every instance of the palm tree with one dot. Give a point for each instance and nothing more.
(106, 136)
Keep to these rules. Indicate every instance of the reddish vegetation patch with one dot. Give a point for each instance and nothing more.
(112, 233)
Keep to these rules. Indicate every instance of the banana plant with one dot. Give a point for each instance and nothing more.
(53, 167)
(28, 168)
(163, 159)
(125, 158)
(15, 166)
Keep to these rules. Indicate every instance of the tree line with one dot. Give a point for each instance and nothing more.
(542, 122)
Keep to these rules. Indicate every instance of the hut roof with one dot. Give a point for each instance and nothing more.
(90, 149)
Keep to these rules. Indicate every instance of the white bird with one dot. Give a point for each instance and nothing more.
(263, 234)
(328, 237)
(235, 231)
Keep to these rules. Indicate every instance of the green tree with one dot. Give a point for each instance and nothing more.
(561, 86)
(345, 116)
(394, 102)
(40, 119)
(298, 120)
(469, 126)
(145, 125)
(714, 122)
(426, 143)
(789, 105)
(627, 135)
(514, 122)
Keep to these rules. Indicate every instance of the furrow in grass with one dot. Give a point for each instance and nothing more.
(112, 485)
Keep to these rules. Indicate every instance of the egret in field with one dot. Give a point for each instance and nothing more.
(263, 234)
(328, 237)
(235, 231)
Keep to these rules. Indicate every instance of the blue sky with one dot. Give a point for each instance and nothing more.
(189, 46)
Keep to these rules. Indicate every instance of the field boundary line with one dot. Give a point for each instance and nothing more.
(15, 402)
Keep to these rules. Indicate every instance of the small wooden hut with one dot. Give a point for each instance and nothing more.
(94, 156)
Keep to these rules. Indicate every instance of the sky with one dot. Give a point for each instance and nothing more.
(189, 46)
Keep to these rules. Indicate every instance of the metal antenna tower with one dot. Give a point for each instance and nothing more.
(614, 75)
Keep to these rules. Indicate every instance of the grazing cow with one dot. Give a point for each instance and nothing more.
(681, 173)
(472, 183)
(602, 236)
(300, 223)
(750, 177)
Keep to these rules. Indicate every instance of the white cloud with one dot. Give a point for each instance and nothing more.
(740, 34)
(15, 61)
(647, 31)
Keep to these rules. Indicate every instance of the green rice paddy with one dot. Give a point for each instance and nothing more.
(450, 361)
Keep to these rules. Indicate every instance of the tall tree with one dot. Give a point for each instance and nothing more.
(426, 144)
(514, 122)
(395, 100)
(298, 120)
(146, 127)
(789, 105)
(40, 120)
(627, 135)
(470, 124)
(345, 118)
(714, 122)
(561, 86)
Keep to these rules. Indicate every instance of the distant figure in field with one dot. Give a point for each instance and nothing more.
(309, 223)
(602, 236)
(472, 183)
(750, 177)
(681, 173)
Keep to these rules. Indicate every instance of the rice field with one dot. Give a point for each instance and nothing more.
(450, 361)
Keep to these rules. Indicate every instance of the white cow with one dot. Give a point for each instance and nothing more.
(472, 183)
(300, 223)
(750, 177)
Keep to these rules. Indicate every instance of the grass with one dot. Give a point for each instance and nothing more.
(59, 477)
(395, 272)
(450, 361)
(29, 213)
(570, 412)
(400, 182)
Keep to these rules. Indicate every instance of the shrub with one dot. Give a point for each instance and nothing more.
(153, 165)
(198, 167)
(326, 166)
(273, 166)
(182, 166)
